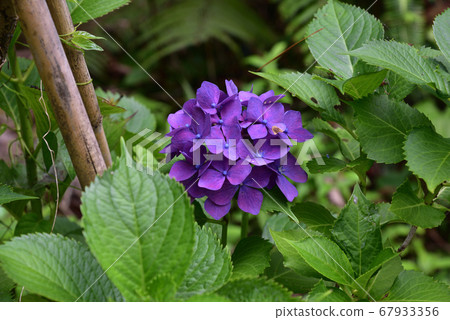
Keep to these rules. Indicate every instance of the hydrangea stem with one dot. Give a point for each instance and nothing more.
(244, 225)
(224, 239)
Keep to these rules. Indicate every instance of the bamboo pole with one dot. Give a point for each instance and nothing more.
(64, 25)
(62, 90)
(8, 21)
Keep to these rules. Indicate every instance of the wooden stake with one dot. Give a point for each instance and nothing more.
(64, 25)
(62, 90)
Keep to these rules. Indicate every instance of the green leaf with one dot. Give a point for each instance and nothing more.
(52, 141)
(82, 39)
(255, 290)
(361, 165)
(330, 165)
(57, 268)
(382, 258)
(321, 293)
(427, 154)
(292, 259)
(315, 216)
(139, 226)
(382, 126)
(6, 285)
(315, 93)
(140, 116)
(348, 145)
(413, 286)
(85, 10)
(210, 267)
(383, 280)
(440, 30)
(277, 222)
(409, 208)
(345, 28)
(107, 107)
(361, 86)
(443, 197)
(210, 297)
(357, 230)
(42, 110)
(162, 288)
(286, 277)
(405, 60)
(325, 257)
(8, 195)
(32, 223)
(275, 201)
(250, 257)
(397, 87)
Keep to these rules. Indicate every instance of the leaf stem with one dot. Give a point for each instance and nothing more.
(224, 239)
(244, 225)
(408, 239)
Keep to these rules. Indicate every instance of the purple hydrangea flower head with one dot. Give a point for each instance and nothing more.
(235, 143)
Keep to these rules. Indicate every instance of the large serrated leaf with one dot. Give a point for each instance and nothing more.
(409, 208)
(139, 226)
(325, 257)
(315, 93)
(58, 268)
(427, 154)
(255, 290)
(441, 29)
(413, 286)
(405, 60)
(250, 257)
(382, 126)
(357, 230)
(210, 267)
(85, 10)
(345, 28)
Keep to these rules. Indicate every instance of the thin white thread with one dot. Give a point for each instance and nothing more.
(52, 154)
